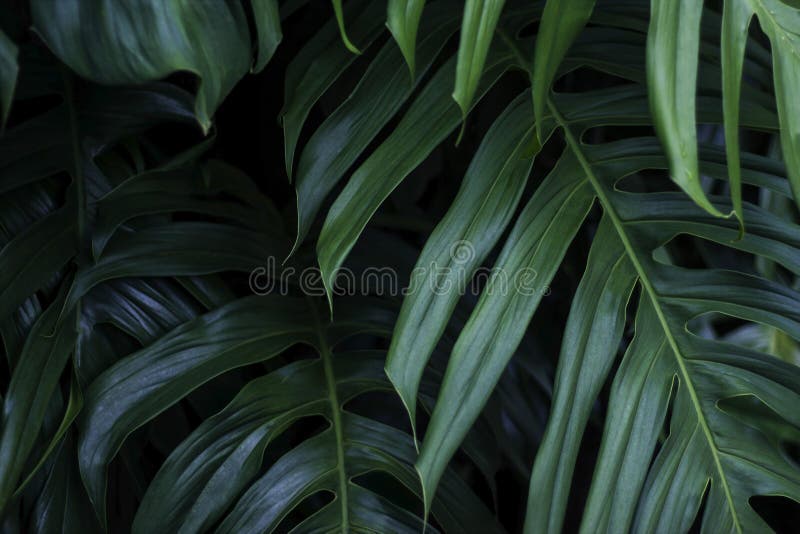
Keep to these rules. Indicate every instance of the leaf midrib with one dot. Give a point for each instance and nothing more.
(608, 208)
(333, 399)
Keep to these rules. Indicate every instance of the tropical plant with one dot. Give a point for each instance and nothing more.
(174, 360)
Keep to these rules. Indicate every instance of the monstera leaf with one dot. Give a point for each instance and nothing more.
(135, 42)
(673, 47)
(214, 474)
(634, 226)
(43, 242)
(567, 231)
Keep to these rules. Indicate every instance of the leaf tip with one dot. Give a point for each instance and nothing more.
(406, 397)
(328, 284)
(337, 8)
(740, 219)
(463, 119)
(426, 497)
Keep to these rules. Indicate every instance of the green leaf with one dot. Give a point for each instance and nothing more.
(177, 249)
(8, 75)
(320, 63)
(33, 382)
(705, 443)
(639, 401)
(131, 42)
(38, 148)
(189, 188)
(673, 44)
(339, 12)
(735, 23)
(477, 32)
(145, 383)
(62, 505)
(519, 280)
(431, 118)
(268, 27)
(402, 19)
(74, 406)
(144, 309)
(781, 23)
(562, 21)
(591, 339)
(699, 416)
(486, 201)
(383, 89)
(30, 259)
(217, 467)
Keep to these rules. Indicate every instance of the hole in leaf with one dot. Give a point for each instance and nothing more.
(383, 406)
(697, 524)
(307, 507)
(298, 432)
(384, 484)
(693, 252)
(781, 513)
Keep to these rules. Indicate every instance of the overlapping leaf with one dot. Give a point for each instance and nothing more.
(672, 50)
(111, 243)
(202, 482)
(471, 372)
(707, 443)
(402, 19)
(133, 42)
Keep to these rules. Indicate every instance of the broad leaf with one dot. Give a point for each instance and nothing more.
(43, 359)
(384, 88)
(117, 42)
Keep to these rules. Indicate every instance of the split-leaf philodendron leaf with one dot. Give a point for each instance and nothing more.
(482, 266)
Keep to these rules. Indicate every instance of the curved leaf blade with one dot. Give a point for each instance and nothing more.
(318, 65)
(526, 265)
(735, 23)
(33, 382)
(486, 201)
(431, 118)
(402, 19)
(339, 13)
(781, 22)
(268, 27)
(145, 383)
(591, 339)
(562, 21)
(640, 397)
(127, 42)
(697, 449)
(477, 32)
(383, 89)
(673, 45)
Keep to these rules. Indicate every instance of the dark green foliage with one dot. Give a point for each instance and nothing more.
(181, 354)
